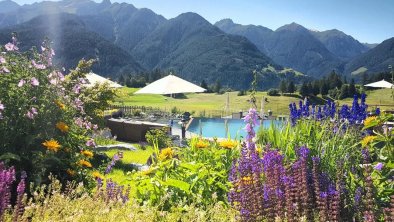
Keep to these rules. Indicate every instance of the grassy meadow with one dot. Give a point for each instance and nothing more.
(214, 104)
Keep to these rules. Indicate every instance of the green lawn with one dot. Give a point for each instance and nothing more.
(122, 172)
(214, 104)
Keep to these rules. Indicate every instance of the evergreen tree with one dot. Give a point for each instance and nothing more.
(344, 92)
(335, 80)
(352, 89)
(304, 91)
(364, 78)
(283, 87)
(204, 84)
(324, 87)
(316, 88)
(121, 80)
(310, 88)
(217, 87)
(291, 87)
(128, 82)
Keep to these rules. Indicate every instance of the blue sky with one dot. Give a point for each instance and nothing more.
(369, 21)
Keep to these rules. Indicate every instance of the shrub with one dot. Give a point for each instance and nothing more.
(273, 92)
(241, 93)
(158, 137)
(46, 118)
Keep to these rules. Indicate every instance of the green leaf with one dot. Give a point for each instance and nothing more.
(178, 184)
(10, 156)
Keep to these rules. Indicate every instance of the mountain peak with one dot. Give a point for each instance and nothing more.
(292, 27)
(8, 6)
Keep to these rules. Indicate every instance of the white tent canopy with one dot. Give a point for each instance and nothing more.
(94, 78)
(380, 84)
(170, 85)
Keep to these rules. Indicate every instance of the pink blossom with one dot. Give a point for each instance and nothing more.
(76, 89)
(11, 47)
(34, 82)
(37, 66)
(1, 106)
(34, 111)
(95, 126)
(2, 60)
(29, 115)
(4, 70)
(91, 143)
(21, 83)
(79, 122)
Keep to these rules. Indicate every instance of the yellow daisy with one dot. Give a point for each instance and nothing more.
(97, 175)
(366, 140)
(202, 144)
(370, 119)
(52, 145)
(85, 163)
(60, 104)
(166, 153)
(228, 144)
(70, 172)
(87, 153)
(62, 127)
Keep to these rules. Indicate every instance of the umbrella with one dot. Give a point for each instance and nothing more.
(170, 85)
(94, 78)
(380, 84)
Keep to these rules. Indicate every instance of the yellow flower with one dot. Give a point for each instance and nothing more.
(166, 153)
(87, 153)
(228, 144)
(202, 144)
(247, 180)
(60, 105)
(97, 175)
(366, 140)
(85, 163)
(259, 149)
(70, 172)
(370, 119)
(62, 127)
(52, 145)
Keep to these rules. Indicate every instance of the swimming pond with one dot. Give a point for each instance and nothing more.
(221, 128)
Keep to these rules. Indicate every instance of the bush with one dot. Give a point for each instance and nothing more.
(241, 93)
(158, 137)
(46, 118)
(273, 92)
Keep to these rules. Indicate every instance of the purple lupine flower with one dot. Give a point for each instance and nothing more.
(379, 166)
(34, 81)
(377, 111)
(7, 177)
(11, 47)
(91, 143)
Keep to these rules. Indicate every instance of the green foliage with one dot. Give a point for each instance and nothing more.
(241, 93)
(273, 92)
(158, 137)
(46, 120)
(323, 141)
(51, 203)
(193, 175)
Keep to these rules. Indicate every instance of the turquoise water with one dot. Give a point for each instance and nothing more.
(215, 127)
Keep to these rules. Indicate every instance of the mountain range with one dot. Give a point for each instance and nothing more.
(129, 40)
